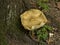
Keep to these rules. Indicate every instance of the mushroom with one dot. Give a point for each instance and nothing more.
(33, 19)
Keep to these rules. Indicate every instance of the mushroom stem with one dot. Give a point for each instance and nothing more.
(32, 33)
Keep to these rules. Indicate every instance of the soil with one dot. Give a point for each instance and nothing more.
(10, 26)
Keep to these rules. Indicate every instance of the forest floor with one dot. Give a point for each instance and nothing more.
(10, 28)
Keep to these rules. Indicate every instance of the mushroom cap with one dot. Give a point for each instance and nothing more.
(33, 19)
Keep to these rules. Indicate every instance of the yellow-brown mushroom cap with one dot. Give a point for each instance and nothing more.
(33, 19)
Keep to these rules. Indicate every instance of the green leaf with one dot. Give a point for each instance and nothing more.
(45, 36)
(42, 34)
(43, 29)
(48, 27)
(42, 4)
(38, 32)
